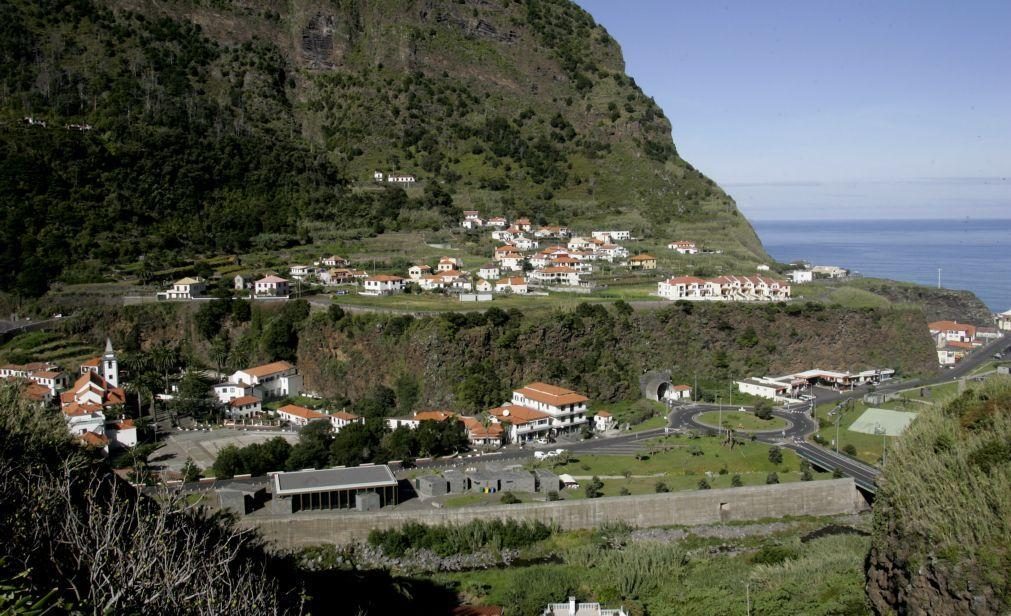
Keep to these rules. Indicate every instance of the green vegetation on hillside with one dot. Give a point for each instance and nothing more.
(207, 139)
(942, 516)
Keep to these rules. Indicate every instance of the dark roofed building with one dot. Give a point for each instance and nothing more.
(331, 488)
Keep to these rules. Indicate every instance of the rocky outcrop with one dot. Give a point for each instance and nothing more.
(894, 587)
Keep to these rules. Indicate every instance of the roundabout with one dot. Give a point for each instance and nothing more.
(741, 422)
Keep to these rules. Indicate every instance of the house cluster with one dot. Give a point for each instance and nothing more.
(954, 340)
(330, 271)
(88, 404)
(535, 411)
(244, 393)
(724, 288)
(791, 387)
(565, 262)
(191, 288)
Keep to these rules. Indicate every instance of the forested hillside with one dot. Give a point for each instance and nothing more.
(184, 128)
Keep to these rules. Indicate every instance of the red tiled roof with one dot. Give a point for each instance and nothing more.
(344, 415)
(244, 401)
(944, 326)
(434, 415)
(551, 394)
(681, 388)
(268, 369)
(643, 258)
(517, 415)
(302, 412)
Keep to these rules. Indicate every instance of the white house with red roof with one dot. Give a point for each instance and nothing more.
(271, 286)
(603, 421)
(341, 419)
(417, 272)
(511, 284)
(278, 379)
(499, 222)
(566, 408)
(523, 224)
(185, 288)
(447, 264)
(334, 261)
(556, 275)
(482, 435)
(383, 284)
(684, 247)
(299, 415)
(521, 424)
(724, 288)
(244, 407)
(44, 374)
(953, 331)
(678, 392)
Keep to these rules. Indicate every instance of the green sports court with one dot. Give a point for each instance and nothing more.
(874, 420)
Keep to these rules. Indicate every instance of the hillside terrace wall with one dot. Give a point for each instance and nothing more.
(809, 498)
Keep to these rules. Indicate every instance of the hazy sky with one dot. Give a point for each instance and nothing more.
(820, 91)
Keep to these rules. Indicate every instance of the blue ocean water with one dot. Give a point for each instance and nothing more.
(971, 254)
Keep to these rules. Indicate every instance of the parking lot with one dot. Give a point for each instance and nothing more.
(203, 446)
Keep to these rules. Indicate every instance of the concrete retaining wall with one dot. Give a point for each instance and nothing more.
(815, 498)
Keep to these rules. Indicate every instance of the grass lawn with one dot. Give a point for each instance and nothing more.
(741, 421)
(681, 456)
(868, 446)
(649, 424)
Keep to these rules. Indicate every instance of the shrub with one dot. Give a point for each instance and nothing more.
(736, 481)
(849, 449)
(508, 498)
(772, 478)
(704, 485)
(661, 487)
(593, 489)
(775, 455)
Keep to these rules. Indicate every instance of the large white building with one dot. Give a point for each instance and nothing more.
(271, 286)
(278, 379)
(566, 408)
(724, 288)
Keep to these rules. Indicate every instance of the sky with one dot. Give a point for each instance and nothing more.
(797, 95)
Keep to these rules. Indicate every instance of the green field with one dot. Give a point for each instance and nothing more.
(868, 447)
(680, 456)
(737, 420)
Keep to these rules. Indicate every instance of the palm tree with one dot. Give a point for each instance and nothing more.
(163, 359)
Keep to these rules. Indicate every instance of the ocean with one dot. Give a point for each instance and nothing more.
(972, 254)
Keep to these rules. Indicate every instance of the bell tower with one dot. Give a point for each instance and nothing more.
(110, 365)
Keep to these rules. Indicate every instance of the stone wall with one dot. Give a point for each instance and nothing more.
(815, 498)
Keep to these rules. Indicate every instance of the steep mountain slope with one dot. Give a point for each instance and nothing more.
(218, 125)
(942, 517)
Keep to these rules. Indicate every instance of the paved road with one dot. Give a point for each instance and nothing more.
(792, 437)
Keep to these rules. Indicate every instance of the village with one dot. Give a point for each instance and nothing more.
(526, 261)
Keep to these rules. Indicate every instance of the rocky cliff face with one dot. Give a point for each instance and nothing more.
(601, 352)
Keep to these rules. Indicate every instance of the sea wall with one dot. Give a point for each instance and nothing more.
(813, 498)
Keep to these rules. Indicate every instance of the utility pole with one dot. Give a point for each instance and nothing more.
(838, 416)
(938, 278)
(747, 591)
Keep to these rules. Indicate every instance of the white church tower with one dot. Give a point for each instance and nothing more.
(110, 365)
